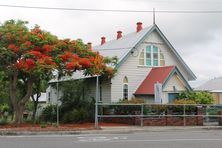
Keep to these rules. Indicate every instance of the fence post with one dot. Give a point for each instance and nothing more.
(184, 115)
(220, 117)
(141, 116)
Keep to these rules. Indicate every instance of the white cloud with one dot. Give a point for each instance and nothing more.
(197, 37)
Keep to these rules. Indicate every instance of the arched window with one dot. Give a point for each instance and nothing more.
(141, 57)
(152, 56)
(125, 88)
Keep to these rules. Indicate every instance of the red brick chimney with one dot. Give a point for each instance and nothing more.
(89, 45)
(139, 27)
(103, 40)
(119, 35)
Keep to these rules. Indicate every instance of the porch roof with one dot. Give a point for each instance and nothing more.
(157, 74)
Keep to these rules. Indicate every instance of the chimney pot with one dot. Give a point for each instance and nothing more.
(119, 34)
(103, 40)
(89, 45)
(139, 27)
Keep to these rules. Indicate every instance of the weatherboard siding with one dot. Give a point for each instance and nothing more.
(135, 77)
(106, 91)
(135, 73)
(53, 95)
(174, 81)
(90, 91)
(170, 58)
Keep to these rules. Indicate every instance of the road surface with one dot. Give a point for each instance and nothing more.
(163, 139)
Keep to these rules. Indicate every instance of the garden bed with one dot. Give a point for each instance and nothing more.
(49, 127)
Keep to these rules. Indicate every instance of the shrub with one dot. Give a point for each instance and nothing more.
(49, 113)
(132, 101)
(183, 101)
(77, 106)
(190, 109)
(43, 125)
(128, 109)
(198, 97)
(3, 121)
(76, 116)
(158, 109)
(80, 115)
(4, 108)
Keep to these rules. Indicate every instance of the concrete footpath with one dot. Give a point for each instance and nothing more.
(111, 130)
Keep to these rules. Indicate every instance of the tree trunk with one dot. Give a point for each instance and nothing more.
(19, 114)
(36, 100)
(34, 112)
(19, 105)
(12, 117)
(35, 105)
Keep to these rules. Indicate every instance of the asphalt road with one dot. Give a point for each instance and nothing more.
(163, 139)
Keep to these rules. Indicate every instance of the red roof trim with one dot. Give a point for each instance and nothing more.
(157, 74)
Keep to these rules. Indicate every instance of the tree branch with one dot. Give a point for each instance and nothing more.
(28, 93)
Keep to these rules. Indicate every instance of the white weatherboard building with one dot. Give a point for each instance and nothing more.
(146, 57)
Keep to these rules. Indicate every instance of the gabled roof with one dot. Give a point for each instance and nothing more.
(125, 45)
(122, 46)
(214, 85)
(160, 75)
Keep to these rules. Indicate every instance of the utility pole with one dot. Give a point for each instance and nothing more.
(57, 102)
(96, 105)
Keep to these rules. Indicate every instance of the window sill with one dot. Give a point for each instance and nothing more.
(144, 66)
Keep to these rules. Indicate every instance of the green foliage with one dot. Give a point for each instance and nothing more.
(3, 121)
(28, 56)
(182, 101)
(4, 87)
(132, 101)
(29, 106)
(76, 116)
(76, 105)
(4, 108)
(49, 113)
(125, 109)
(198, 97)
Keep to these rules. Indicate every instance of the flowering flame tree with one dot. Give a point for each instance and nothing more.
(28, 55)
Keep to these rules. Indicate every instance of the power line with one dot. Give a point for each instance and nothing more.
(115, 10)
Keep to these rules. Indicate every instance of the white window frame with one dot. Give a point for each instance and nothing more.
(127, 88)
(144, 51)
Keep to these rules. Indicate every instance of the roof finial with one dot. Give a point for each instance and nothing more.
(154, 16)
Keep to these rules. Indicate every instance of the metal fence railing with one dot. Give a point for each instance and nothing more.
(161, 114)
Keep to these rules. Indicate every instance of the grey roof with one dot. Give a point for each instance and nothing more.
(75, 76)
(119, 48)
(214, 85)
(122, 46)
